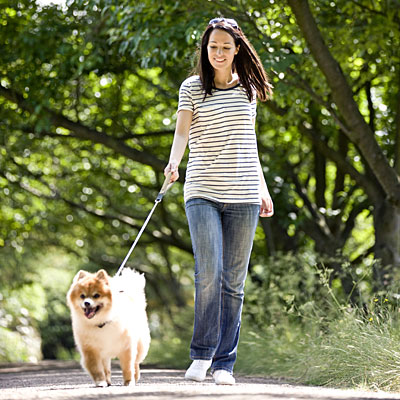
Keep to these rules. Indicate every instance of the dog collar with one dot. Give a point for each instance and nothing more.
(103, 324)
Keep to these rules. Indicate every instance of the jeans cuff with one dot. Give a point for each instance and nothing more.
(213, 369)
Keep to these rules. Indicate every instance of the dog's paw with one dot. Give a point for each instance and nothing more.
(129, 383)
(102, 384)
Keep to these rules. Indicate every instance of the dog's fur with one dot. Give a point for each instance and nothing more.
(109, 320)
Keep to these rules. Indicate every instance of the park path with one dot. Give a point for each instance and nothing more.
(56, 380)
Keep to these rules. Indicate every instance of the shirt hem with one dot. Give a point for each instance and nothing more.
(196, 196)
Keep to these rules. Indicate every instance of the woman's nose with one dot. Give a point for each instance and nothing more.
(220, 51)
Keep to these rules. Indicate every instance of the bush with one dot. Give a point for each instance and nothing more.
(20, 311)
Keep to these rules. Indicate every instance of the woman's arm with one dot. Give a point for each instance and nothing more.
(267, 205)
(179, 144)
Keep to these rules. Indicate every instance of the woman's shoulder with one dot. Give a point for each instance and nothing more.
(192, 81)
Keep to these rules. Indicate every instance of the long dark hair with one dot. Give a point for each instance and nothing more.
(246, 63)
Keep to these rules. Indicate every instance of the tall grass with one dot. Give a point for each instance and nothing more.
(351, 351)
(332, 343)
(355, 351)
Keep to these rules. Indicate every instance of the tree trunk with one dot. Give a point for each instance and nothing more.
(386, 211)
(387, 242)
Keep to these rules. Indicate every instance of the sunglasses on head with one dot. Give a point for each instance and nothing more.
(229, 21)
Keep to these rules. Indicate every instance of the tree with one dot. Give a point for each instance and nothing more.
(87, 124)
(380, 180)
(82, 149)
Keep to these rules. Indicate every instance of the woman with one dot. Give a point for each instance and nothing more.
(225, 189)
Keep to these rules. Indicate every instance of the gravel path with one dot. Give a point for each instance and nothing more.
(65, 380)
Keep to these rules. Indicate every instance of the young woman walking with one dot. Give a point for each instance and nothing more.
(225, 191)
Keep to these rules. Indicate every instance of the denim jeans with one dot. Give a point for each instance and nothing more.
(222, 238)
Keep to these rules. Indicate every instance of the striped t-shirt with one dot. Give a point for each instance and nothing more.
(223, 157)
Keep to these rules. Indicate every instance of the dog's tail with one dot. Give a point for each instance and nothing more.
(130, 283)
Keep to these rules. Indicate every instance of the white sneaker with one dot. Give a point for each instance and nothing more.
(223, 377)
(198, 370)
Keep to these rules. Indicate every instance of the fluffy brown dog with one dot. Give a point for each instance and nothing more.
(109, 320)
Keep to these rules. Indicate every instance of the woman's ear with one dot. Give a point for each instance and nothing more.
(237, 49)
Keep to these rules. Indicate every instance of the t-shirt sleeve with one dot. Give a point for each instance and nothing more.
(185, 97)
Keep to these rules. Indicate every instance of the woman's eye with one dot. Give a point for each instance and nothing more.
(96, 296)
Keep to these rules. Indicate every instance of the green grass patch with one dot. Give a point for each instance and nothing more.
(352, 350)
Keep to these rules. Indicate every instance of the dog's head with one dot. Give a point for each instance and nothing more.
(90, 294)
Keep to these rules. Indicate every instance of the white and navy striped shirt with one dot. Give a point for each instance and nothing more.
(223, 157)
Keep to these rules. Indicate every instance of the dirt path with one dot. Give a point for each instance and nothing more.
(66, 380)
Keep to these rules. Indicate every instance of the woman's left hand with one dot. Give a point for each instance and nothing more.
(267, 206)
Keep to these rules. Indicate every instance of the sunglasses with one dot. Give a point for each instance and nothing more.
(229, 21)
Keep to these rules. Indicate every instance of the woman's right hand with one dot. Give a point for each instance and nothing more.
(173, 168)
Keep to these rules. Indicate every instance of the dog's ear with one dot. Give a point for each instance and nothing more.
(102, 275)
(80, 275)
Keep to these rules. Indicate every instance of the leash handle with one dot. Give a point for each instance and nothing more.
(166, 185)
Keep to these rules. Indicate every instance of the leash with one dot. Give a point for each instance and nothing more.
(166, 185)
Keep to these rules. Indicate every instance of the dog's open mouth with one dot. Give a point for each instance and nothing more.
(90, 312)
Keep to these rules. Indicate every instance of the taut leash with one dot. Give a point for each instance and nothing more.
(166, 185)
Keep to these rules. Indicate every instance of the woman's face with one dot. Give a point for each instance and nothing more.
(221, 49)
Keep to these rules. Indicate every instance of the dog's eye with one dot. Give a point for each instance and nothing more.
(82, 296)
(96, 296)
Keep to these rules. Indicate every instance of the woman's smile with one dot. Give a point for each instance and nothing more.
(221, 49)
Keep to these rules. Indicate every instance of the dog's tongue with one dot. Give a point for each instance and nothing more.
(90, 312)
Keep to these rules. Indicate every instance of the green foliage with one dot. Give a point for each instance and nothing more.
(87, 110)
(278, 285)
(170, 338)
(86, 131)
(21, 310)
(16, 346)
(34, 317)
(55, 329)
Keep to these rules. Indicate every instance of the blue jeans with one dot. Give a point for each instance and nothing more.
(222, 238)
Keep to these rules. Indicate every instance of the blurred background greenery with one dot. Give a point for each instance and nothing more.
(88, 96)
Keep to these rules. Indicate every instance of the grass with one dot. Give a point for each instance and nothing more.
(355, 349)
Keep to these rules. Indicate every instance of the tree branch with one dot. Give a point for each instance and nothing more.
(82, 132)
(317, 219)
(343, 164)
(56, 195)
(369, 9)
(300, 83)
(370, 106)
(359, 131)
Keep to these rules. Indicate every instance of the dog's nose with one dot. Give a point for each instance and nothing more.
(87, 303)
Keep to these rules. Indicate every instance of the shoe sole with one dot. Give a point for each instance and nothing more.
(194, 378)
(226, 383)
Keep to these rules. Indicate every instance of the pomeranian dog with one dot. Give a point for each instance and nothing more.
(109, 320)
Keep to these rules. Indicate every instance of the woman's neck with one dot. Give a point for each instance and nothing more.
(225, 79)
